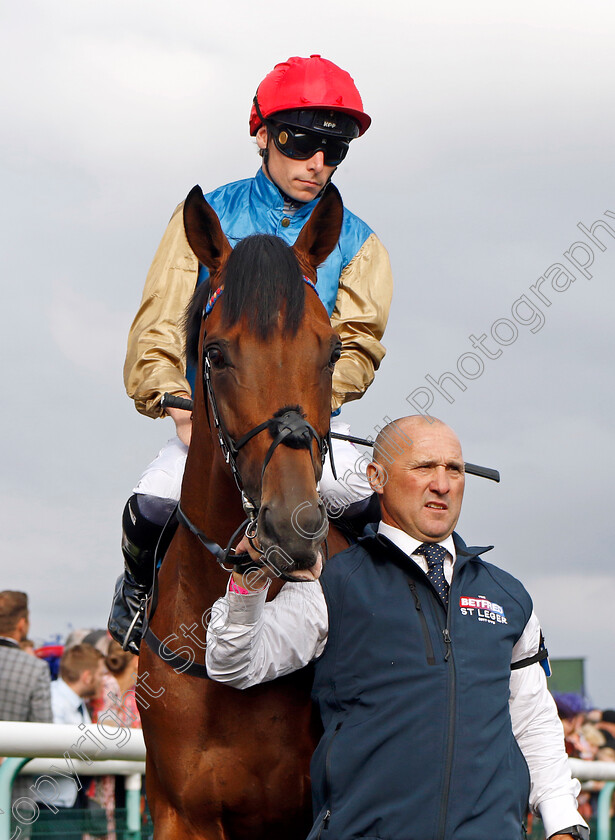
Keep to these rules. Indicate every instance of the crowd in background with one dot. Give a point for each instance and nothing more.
(77, 682)
(589, 734)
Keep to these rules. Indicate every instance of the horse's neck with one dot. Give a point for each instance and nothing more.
(210, 497)
(190, 577)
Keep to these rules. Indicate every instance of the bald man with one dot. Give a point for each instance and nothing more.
(427, 667)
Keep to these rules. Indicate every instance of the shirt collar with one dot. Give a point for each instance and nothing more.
(14, 642)
(409, 544)
(69, 695)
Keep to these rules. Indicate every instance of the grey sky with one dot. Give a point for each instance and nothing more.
(492, 138)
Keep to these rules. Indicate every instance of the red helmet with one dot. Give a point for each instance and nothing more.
(308, 84)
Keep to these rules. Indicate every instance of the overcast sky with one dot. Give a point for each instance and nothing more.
(492, 139)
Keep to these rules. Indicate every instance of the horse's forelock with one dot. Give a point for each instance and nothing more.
(261, 278)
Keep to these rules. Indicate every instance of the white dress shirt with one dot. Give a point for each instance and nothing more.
(67, 707)
(250, 641)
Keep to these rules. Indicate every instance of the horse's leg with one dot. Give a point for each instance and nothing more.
(170, 826)
(168, 823)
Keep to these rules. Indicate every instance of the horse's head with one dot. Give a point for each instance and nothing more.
(265, 353)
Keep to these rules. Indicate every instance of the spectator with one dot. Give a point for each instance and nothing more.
(571, 709)
(122, 666)
(607, 723)
(82, 669)
(100, 639)
(81, 672)
(594, 715)
(51, 653)
(607, 751)
(118, 696)
(24, 679)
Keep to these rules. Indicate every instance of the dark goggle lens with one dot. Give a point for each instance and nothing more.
(302, 145)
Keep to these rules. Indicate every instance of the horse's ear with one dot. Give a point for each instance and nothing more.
(204, 232)
(320, 233)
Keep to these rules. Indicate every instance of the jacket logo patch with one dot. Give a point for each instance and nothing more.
(482, 609)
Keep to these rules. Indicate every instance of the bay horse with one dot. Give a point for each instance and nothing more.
(224, 764)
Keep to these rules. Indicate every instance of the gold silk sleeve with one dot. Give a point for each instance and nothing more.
(155, 358)
(359, 318)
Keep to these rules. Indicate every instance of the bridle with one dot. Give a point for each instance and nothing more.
(287, 426)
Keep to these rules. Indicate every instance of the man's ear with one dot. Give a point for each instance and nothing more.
(23, 625)
(261, 137)
(377, 477)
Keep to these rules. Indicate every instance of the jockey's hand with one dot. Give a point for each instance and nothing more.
(183, 423)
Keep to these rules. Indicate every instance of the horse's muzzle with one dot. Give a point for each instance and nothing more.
(293, 544)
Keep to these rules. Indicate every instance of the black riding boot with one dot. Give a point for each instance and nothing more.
(143, 522)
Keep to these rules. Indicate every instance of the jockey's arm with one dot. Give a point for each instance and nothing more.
(155, 358)
(360, 317)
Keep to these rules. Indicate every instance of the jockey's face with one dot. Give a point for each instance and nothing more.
(301, 180)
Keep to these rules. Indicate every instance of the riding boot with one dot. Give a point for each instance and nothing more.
(143, 522)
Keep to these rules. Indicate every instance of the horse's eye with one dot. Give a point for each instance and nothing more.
(335, 356)
(216, 358)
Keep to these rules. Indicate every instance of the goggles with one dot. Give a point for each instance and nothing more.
(299, 144)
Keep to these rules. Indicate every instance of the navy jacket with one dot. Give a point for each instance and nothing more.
(418, 743)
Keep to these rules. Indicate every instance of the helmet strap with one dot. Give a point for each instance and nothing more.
(258, 109)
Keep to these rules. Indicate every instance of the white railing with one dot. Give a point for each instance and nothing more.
(90, 749)
(598, 771)
(100, 750)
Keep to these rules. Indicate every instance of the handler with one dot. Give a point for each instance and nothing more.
(429, 730)
(304, 115)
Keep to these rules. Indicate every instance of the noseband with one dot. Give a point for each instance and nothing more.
(287, 426)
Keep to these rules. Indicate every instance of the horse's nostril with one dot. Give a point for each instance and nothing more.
(309, 520)
(308, 525)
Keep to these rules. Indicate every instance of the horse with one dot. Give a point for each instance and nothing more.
(224, 764)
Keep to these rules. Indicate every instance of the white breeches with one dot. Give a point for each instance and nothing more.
(163, 477)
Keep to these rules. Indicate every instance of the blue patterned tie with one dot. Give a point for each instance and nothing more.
(435, 554)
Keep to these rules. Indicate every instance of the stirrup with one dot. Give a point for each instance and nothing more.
(126, 619)
(137, 622)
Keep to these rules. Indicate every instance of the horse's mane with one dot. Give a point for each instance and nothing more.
(261, 278)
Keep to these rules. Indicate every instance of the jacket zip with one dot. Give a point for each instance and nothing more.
(429, 651)
(327, 816)
(448, 657)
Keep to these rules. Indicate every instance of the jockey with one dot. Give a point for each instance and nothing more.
(303, 117)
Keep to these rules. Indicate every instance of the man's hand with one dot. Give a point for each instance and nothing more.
(255, 579)
(183, 423)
